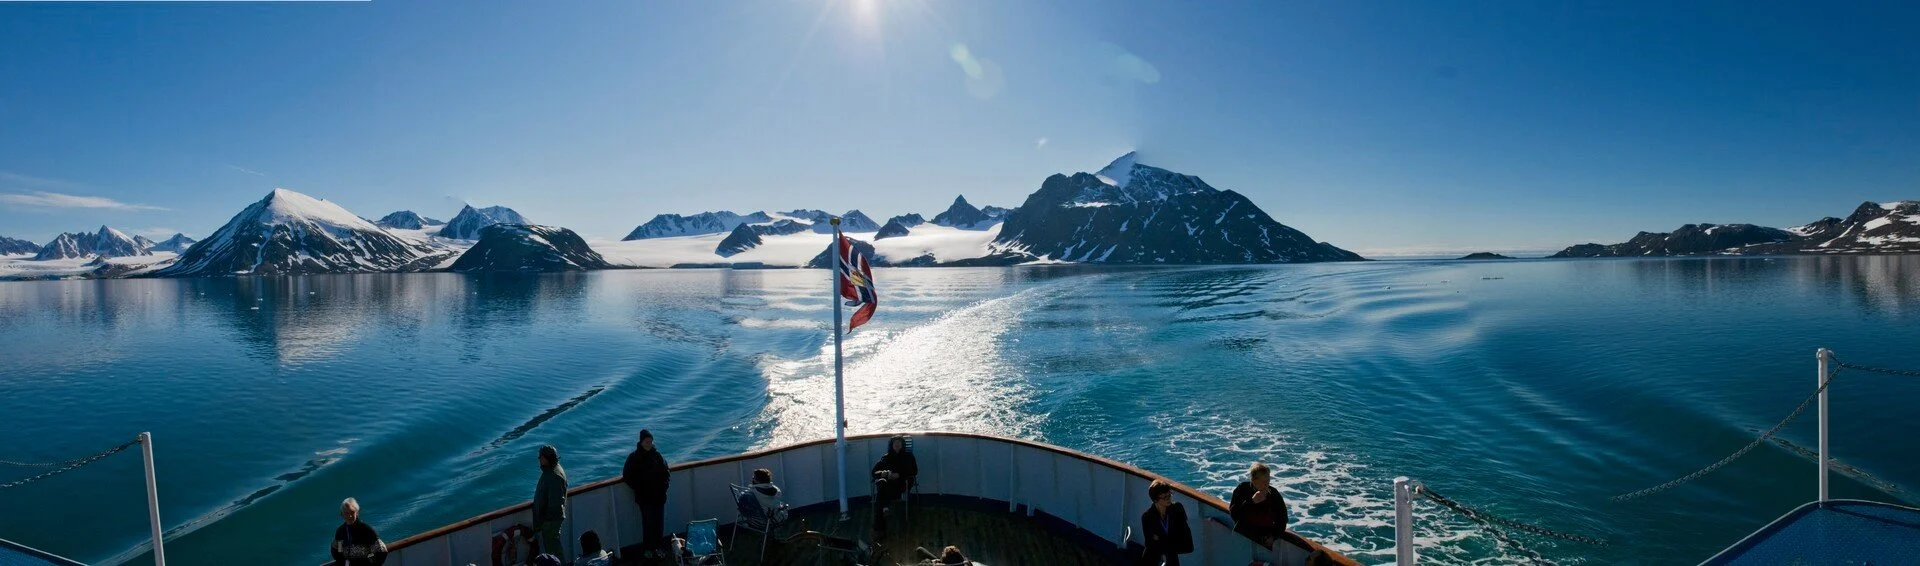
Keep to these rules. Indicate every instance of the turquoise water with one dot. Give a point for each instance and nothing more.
(1534, 390)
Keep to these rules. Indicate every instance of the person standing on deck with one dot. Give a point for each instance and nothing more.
(1257, 508)
(550, 501)
(355, 543)
(1165, 526)
(646, 473)
(892, 475)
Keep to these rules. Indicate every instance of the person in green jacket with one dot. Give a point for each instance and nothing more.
(550, 501)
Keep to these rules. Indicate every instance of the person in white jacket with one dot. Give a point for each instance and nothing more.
(768, 495)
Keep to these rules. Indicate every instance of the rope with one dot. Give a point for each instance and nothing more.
(66, 466)
(1908, 373)
(1737, 453)
(1485, 517)
(1486, 522)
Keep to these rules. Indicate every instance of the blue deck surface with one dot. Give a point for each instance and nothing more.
(1833, 532)
(16, 555)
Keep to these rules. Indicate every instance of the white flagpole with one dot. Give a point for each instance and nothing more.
(839, 389)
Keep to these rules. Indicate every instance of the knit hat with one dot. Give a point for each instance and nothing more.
(549, 452)
(645, 434)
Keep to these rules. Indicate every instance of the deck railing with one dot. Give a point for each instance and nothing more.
(1100, 497)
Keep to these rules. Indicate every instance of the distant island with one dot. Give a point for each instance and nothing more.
(1485, 255)
(1873, 228)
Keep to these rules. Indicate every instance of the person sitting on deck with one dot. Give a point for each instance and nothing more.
(892, 475)
(767, 496)
(1257, 508)
(1165, 526)
(355, 543)
(951, 555)
(590, 552)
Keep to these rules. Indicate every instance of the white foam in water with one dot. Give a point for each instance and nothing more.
(1333, 498)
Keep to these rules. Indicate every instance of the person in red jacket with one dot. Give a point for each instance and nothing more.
(1165, 526)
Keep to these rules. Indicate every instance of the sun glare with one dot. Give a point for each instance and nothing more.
(866, 12)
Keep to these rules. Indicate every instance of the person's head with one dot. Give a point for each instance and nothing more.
(1160, 493)
(590, 543)
(1260, 475)
(350, 511)
(646, 440)
(549, 456)
(763, 475)
(952, 556)
(897, 445)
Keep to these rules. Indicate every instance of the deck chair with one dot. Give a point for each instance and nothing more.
(702, 545)
(750, 516)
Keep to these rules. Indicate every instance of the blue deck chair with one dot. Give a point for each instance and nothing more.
(749, 516)
(703, 544)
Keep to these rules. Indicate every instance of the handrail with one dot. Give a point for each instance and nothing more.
(1203, 498)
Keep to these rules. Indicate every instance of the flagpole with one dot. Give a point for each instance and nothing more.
(839, 390)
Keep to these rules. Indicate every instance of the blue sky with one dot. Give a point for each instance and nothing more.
(1379, 127)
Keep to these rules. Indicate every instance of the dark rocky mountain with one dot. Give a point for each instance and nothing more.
(1691, 239)
(290, 233)
(1135, 213)
(522, 247)
(670, 225)
(176, 244)
(10, 246)
(961, 214)
(1485, 255)
(1872, 228)
(907, 220)
(106, 242)
(893, 229)
(143, 242)
(406, 220)
(467, 224)
(747, 236)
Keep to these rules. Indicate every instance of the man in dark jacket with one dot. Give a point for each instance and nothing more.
(550, 501)
(892, 475)
(1165, 526)
(1257, 508)
(355, 543)
(647, 475)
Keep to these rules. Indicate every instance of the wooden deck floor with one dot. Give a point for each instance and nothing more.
(995, 538)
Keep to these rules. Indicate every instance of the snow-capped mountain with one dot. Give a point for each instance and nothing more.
(521, 247)
(292, 233)
(467, 224)
(672, 225)
(1131, 212)
(106, 242)
(406, 220)
(10, 246)
(852, 221)
(962, 214)
(176, 244)
(746, 236)
(1872, 228)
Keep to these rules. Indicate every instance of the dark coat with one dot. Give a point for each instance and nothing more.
(357, 545)
(647, 475)
(1175, 539)
(1262, 521)
(901, 463)
(550, 496)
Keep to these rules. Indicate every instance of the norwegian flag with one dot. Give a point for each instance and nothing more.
(856, 282)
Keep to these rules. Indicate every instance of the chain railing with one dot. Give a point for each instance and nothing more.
(63, 467)
(1764, 437)
(1840, 364)
(1497, 526)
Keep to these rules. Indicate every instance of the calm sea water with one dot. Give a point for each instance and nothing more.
(1534, 389)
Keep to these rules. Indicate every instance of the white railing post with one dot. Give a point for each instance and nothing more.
(1825, 356)
(153, 500)
(1403, 521)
